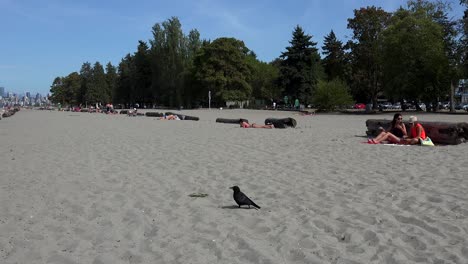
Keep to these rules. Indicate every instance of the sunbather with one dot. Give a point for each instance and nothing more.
(245, 124)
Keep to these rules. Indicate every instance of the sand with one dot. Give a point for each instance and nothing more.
(94, 188)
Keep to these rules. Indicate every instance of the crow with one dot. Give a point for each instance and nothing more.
(241, 198)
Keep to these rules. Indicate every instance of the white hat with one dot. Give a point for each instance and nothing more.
(412, 119)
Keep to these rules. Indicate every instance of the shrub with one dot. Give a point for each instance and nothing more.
(331, 95)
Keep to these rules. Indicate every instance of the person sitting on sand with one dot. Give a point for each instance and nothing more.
(133, 113)
(396, 133)
(417, 132)
(245, 124)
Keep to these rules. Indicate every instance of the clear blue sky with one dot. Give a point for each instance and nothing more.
(40, 40)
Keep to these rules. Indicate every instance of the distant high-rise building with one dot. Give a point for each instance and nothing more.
(28, 94)
(2, 91)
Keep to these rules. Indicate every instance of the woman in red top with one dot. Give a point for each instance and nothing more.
(417, 131)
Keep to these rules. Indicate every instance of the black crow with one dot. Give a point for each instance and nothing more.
(241, 198)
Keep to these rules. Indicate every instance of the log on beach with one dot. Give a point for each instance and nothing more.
(281, 122)
(440, 132)
(231, 121)
(154, 114)
(184, 117)
(123, 112)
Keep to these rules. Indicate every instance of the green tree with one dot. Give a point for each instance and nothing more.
(111, 78)
(193, 45)
(414, 58)
(221, 67)
(57, 91)
(125, 81)
(366, 77)
(65, 90)
(264, 79)
(142, 89)
(97, 89)
(300, 67)
(464, 40)
(86, 74)
(168, 55)
(331, 95)
(334, 62)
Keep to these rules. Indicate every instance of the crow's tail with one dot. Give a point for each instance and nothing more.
(254, 205)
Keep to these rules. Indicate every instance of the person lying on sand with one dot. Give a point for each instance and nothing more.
(169, 117)
(245, 124)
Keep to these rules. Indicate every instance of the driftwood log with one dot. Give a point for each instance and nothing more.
(231, 121)
(281, 122)
(440, 132)
(123, 112)
(184, 117)
(155, 114)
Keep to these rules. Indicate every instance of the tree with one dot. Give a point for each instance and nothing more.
(125, 80)
(193, 45)
(168, 55)
(96, 92)
(464, 39)
(111, 78)
(142, 88)
(85, 73)
(264, 79)
(221, 67)
(65, 90)
(367, 25)
(57, 91)
(413, 57)
(335, 59)
(300, 67)
(331, 95)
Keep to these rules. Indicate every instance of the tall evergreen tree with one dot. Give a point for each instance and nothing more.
(57, 91)
(97, 89)
(142, 92)
(86, 74)
(168, 56)
(300, 67)
(126, 81)
(193, 45)
(111, 78)
(334, 61)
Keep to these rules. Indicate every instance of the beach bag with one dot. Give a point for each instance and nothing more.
(426, 142)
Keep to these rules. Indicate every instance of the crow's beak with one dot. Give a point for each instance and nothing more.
(231, 187)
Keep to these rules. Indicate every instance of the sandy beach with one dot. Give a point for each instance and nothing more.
(95, 188)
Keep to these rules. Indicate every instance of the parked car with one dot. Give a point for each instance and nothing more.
(386, 105)
(462, 106)
(359, 106)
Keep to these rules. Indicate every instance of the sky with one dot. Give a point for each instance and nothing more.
(41, 40)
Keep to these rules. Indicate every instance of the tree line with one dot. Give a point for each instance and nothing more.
(417, 53)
